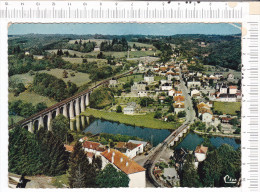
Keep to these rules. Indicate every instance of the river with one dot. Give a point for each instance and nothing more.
(154, 136)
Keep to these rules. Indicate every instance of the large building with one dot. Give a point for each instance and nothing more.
(120, 161)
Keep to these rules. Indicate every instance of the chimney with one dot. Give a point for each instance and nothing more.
(108, 150)
(126, 164)
(121, 159)
(113, 154)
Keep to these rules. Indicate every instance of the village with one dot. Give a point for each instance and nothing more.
(159, 84)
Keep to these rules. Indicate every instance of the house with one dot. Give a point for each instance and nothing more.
(140, 86)
(120, 161)
(148, 78)
(227, 98)
(171, 92)
(93, 147)
(201, 153)
(143, 49)
(138, 142)
(130, 108)
(69, 148)
(179, 98)
(232, 89)
(112, 82)
(162, 98)
(166, 86)
(230, 76)
(178, 93)
(207, 116)
(193, 84)
(129, 149)
(26, 53)
(178, 107)
(195, 93)
(96, 49)
(83, 139)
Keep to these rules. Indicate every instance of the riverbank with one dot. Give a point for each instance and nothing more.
(146, 120)
(217, 134)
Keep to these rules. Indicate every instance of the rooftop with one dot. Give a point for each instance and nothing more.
(201, 149)
(122, 162)
(93, 145)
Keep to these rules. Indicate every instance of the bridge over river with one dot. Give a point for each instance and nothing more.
(70, 108)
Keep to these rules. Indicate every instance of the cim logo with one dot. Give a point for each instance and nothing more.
(228, 179)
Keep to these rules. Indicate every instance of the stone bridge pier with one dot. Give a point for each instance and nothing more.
(70, 109)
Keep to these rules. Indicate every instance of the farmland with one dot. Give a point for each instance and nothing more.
(227, 107)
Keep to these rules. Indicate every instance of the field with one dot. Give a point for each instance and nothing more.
(227, 107)
(136, 78)
(79, 78)
(146, 120)
(141, 45)
(31, 97)
(16, 118)
(125, 100)
(80, 60)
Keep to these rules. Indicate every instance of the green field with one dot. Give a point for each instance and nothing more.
(137, 120)
(31, 97)
(136, 78)
(79, 78)
(141, 45)
(80, 60)
(125, 100)
(16, 118)
(227, 107)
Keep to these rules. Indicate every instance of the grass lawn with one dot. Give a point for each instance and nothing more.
(158, 78)
(79, 78)
(137, 120)
(136, 78)
(16, 118)
(60, 181)
(141, 44)
(80, 60)
(227, 107)
(31, 97)
(125, 100)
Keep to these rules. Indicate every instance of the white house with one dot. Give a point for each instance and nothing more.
(193, 84)
(93, 147)
(133, 170)
(195, 92)
(171, 92)
(130, 108)
(112, 82)
(207, 117)
(166, 86)
(232, 89)
(130, 149)
(139, 142)
(201, 153)
(149, 79)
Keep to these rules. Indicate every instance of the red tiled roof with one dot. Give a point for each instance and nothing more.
(201, 149)
(125, 145)
(93, 145)
(127, 165)
(90, 155)
(232, 87)
(69, 148)
(179, 98)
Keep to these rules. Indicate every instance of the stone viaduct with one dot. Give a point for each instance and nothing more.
(70, 108)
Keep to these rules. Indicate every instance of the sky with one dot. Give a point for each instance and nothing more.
(126, 28)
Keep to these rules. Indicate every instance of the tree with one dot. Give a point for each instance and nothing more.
(40, 106)
(65, 74)
(53, 150)
(110, 177)
(157, 115)
(60, 126)
(118, 109)
(24, 154)
(145, 101)
(171, 118)
(182, 114)
(190, 177)
(81, 173)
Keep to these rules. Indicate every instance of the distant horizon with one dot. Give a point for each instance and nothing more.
(156, 29)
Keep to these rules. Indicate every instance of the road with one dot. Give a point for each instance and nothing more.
(149, 161)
